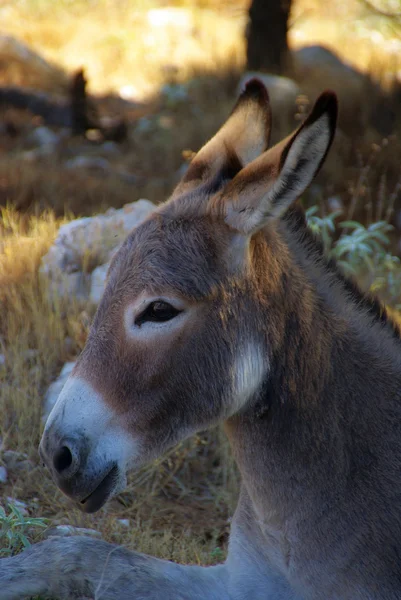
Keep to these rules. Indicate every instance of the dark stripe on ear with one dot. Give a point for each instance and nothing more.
(229, 170)
(232, 165)
(197, 171)
(289, 182)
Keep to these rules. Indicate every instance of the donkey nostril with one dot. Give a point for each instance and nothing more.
(63, 459)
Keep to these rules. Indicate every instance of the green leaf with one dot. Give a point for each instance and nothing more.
(24, 540)
(350, 225)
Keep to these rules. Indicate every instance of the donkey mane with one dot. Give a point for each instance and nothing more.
(364, 301)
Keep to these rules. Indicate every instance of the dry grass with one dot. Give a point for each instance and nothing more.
(125, 49)
(179, 507)
(147, 165)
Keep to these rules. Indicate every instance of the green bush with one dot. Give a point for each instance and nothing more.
(362, 252)
(14, 529)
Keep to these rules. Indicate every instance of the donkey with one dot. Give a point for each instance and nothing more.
(221, 307)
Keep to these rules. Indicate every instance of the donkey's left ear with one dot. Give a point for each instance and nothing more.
(243, 137)
(270, 184)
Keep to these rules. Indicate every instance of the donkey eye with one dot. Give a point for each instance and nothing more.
(157, 312)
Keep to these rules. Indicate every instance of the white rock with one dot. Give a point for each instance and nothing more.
(98, 283)
(133, 214)
(315, 56)
(2, 360)
(55, 388)
(3, 474)
(72, 285)
(66, 254)
(43, 136)
(97, 237)
(88, 162)
(110, 148)
(123, 522)
(321, 68)
(67, 530)
(19, 504)
(12, 51)
(107, 231)
(277, 85)
(15, 460)
(34, 155)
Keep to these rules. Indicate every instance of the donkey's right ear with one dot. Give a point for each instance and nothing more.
(242, 138)
(266, 188)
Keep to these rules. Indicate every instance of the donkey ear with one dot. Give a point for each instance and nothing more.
(243, 137)
(271, 183)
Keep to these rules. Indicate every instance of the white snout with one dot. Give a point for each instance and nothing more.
(81, 411)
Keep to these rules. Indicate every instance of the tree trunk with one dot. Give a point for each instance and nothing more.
(267, 48)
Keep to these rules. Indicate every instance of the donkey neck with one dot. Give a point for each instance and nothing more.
(333, 368)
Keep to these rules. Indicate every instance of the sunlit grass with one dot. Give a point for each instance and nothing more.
(124, 46)
(132, 46)
(177, 507)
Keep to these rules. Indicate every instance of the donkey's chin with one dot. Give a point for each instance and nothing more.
(108, 486)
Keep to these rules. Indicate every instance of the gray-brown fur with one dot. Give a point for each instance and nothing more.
(313, 417)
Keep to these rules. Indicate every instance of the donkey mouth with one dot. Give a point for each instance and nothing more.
(101, 494)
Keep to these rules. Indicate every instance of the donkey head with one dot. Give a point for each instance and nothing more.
(179, 339)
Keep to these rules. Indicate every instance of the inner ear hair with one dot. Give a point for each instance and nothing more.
(268, 186)
(241, 139)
